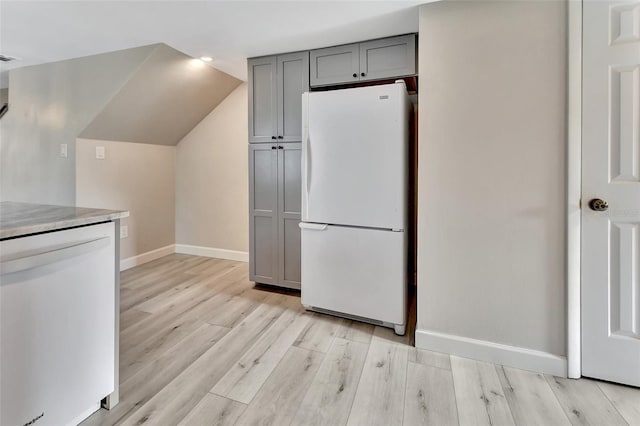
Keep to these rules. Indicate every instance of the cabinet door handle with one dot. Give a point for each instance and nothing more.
(280, 147)
(273, 137)
(280, 137)
(355, 75)
(363, 74)
(273, 147)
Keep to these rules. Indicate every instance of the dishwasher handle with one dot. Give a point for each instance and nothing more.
(52, 256)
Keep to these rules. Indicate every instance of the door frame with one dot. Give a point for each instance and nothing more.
(574, 188)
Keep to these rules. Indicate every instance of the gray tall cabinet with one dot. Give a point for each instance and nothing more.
(276, 84)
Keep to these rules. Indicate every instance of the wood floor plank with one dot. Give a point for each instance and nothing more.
(175, 400)
(245, 378)
(214, 410)
(430, 397)
(319, 333)
(199, 306)
(356, 331)
(479, 394)
(278, 401)
(530, 398)
(114, 416)
(185, 289)
(131, 317)
(236, 309)
(389, 335)
(162, 336)
(132, 297)
(160, 371)
(626, 400)
(433, 359)
(584, 403)
(330, 396)
(379, 399)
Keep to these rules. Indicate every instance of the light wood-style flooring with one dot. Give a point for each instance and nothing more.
(201, 345)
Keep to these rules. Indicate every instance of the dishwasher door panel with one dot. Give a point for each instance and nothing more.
(57, 316)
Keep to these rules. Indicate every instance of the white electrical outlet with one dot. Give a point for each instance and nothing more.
(124, 231)
(100, 152)
(63, 150)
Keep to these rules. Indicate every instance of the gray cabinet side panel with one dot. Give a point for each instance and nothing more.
(289, 213)
(262, 99)
(293, 80)
(335, 65)
(388, 58)
(263, 212)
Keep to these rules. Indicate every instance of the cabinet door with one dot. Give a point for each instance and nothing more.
(388, 58)
(289, 194)
(335, 65)
(293, 80)
(263, 213)
(262, 100)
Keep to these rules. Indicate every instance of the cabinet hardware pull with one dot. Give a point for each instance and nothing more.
(280, 137)
(280, 147)
(355, 75)
(363, 74)
(273, 147)
(273, 137)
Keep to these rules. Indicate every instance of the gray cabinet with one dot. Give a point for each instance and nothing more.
(263, 213)
(372, 60)
(274, 204)
(262, 99)
(334, 65)
(276, 84)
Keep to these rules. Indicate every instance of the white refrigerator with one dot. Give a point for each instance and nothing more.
(354, 203)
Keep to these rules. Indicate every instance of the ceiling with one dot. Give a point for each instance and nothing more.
(229, 31)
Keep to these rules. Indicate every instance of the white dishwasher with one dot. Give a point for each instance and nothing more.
(57, 309)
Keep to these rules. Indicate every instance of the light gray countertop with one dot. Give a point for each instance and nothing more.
(20, 219)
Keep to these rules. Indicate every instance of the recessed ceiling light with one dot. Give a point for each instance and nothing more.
(206, 58)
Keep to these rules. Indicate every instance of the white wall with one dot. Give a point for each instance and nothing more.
(49, 105)
(136, 177)
(492, 174)
(212, 179)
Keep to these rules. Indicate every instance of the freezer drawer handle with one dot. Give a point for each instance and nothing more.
(48, 257)
(313, 226)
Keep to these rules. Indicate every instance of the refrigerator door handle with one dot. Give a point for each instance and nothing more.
(305, 154)
(313, 226)
(307, 159)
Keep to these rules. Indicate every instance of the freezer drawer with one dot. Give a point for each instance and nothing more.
(355, 271)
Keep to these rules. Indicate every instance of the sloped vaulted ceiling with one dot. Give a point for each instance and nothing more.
(162, 101)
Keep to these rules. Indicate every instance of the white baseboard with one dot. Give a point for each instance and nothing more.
(132, 261)
(496, 353)
(240, 256)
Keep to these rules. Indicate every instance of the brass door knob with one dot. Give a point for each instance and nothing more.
(598, 205)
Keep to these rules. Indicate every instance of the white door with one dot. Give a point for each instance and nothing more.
(611, 172)
(355, 156)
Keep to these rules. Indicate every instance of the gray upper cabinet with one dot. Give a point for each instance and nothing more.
(262, 100)
(388, 58)
(334, 65)
(372, 60)
(276, 84)
(293, 81)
